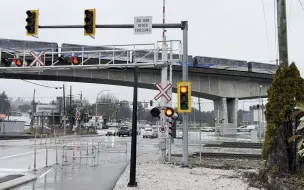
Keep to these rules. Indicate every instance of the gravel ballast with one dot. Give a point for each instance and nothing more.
(152, 174)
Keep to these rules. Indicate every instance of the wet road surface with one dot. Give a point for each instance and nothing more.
(82, 172)
(97, 170)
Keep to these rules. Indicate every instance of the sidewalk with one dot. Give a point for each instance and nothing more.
(152, 174)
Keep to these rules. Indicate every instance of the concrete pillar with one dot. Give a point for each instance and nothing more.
(220, 109)
(232, 106)
(226, 109)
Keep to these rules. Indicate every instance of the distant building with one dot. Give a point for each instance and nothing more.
(47, 115)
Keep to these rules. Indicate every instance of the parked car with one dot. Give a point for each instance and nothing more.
(149, 133)
(122, 131)
(111, 131)
(208, 129)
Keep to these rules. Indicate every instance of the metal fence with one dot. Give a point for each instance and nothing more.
(242, 150)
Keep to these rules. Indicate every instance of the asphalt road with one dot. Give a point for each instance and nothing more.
(86, 172)
(100, 172)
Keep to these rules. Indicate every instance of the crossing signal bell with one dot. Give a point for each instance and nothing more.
(32, 22)
(89, 22)
(155, 112)
(184, 97)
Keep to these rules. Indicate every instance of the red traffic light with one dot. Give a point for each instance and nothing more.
(18, 62)
(74, 60)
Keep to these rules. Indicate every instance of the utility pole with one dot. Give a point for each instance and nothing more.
(33, 110)
(64, 112)
(199, 108)
(282, 32)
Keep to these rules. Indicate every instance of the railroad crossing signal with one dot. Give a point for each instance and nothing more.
(89, 22)
(184, 97)
(32, 22)
(169, 112)
(163, 91)
(37, 58)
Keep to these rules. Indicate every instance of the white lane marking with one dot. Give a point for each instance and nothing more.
(12, 170)
(45, 173)
(25, 153)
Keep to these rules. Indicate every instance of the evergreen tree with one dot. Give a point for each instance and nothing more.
(286, 89)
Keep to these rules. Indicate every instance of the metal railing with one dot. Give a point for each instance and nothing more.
(128, 55)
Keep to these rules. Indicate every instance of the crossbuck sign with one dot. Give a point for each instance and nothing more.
(37, 58)
(163, 91)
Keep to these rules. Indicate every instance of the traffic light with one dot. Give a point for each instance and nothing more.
(155, 112)
(184, 97)
(89, 22)
(169, 112)
(32, 22)
(74, 60)
(6, 62)
(151, 103)
(9, 62)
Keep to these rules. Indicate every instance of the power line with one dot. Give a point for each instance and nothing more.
(42, 85)
(275, 29)
(290, 6)
(266, 30)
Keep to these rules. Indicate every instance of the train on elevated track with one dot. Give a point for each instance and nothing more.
(11, 48)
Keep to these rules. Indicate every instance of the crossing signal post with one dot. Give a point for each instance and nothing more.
(32, 22)
(89, 22)
(184, 97)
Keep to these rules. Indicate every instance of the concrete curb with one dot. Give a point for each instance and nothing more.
(18, 181)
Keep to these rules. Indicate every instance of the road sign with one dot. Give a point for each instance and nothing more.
(143, 25)
(37, 58)
(163, 91)
(162, 129)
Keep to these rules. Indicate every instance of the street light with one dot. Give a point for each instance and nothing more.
(96, 106)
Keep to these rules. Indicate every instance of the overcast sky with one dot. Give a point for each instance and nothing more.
(217, 28)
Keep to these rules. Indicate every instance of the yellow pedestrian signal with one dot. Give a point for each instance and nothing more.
(184, 97)
(89, 22)
(32, 22)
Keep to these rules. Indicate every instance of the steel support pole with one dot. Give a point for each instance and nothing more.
(185, 79)
(132, 182)
(64, 111)
(164, 81)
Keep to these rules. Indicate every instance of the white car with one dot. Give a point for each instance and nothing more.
(111, 131)
(208, 129)
(246, 128)
(149, 132)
